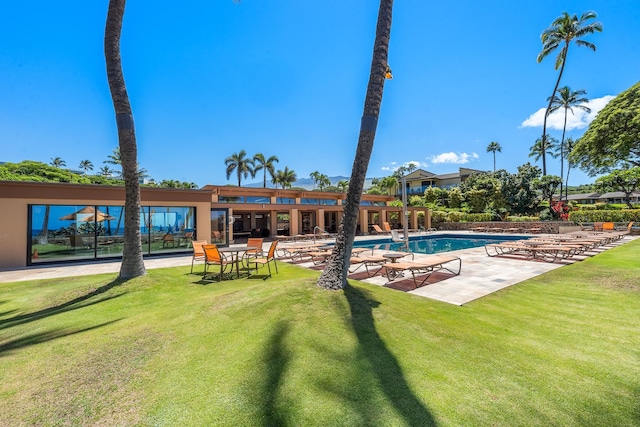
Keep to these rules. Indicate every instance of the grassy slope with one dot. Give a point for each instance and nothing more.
(166, 349)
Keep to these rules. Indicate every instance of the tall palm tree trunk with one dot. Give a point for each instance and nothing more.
(132, 263)
(546, 113)
(334, 275)
(564, 131)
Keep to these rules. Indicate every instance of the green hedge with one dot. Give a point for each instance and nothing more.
(605, 216)
(478, 217)
(523, 218)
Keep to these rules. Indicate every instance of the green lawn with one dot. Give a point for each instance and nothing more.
(171, 349)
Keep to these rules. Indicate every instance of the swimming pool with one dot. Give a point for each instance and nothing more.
(435, 244)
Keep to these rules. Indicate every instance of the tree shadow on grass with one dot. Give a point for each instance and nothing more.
(385, 366)
(276, 360)
(74, 304)
(39, 338)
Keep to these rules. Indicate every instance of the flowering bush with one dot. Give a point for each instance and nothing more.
(561, 210)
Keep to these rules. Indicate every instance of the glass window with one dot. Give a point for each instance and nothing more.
(286, 201)
(76, 232)
(218, 226)
(171, 228)
(262, 200)
(309, 201)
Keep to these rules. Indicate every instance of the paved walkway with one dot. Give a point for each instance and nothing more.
(480, 275)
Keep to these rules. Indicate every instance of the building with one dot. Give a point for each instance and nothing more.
(419, 180)
(43, 223)
(611, 197)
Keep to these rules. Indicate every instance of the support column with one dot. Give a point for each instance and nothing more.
(230, 225)
(273, 223)
(294, 223)
(414, 219)
(320, 219)
(364, 221)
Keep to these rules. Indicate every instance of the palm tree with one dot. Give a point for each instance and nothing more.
(315, 175)
(285, 178)
(323, 182)
(537, 151)
(86, 165)
(334, 275)
(132, 263)
(343, 185)
(241, 164)
(569, 144)
(567, 99)
(115, 158)
(57, 162)
(266, 165)
(105, 171)
(494, 147)
(564, 29)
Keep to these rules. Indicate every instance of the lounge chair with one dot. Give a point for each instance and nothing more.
(270, 258)
(386, 226)
(366, 262)
(425, 266)
(546, 251)
(378, 230)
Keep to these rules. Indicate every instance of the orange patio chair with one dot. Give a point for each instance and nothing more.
(213, 257)
(198, 252)
(270, 258)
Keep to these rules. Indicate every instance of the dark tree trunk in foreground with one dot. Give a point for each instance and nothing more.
(132, 263)
(335, 272)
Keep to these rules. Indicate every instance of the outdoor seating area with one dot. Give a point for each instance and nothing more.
(554, 247)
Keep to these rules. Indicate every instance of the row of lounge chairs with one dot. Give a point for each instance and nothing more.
(386, 264)
(552, 248)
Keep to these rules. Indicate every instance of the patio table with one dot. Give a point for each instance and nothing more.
(235, 252)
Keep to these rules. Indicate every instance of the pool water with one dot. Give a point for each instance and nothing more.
(436, 244)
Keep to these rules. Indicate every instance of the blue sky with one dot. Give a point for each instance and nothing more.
(208, 78)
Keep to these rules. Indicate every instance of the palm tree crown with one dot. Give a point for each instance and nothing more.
(285, 178)
(266, 165)
(86, 165)
(564, 29)
(241, 164)
(494, 147)
(58, 162)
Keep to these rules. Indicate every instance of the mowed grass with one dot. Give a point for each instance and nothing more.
(172, 349)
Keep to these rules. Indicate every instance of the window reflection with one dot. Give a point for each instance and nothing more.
(76, 232)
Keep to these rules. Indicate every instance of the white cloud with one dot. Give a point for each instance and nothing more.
(451, 157)
(578, 120)
(393, 166)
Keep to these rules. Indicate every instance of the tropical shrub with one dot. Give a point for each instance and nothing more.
(455, 216)
(523, 218)
(625, 215)
(438, 216)
(477, 217)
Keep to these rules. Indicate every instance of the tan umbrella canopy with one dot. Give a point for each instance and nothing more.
(87, 214)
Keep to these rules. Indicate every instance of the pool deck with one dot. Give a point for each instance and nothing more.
(481, 275)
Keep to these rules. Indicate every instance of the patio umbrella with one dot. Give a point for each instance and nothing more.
(87, 214)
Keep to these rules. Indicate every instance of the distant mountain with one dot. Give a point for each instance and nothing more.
(307, 183)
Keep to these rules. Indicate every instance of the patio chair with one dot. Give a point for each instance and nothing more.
(270, 258)
(198, 252)
(167, 240)
(608, 226)
(213, 257)
(216, 236)
(386, 226)
(255, 242)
